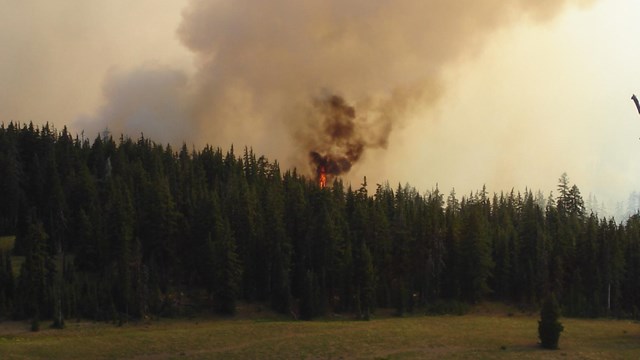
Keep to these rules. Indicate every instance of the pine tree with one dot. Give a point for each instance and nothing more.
(476, 255)
(403, 242)
(12, 174)
(307, 297)
(227, 269)
(365, 280)
(35, 281)
(563, 201)
(452, 285)
(549, 328)
(279, 245)
(6, 284)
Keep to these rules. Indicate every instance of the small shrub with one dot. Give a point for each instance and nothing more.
(58, 323)
(549, 328)
(35, 324)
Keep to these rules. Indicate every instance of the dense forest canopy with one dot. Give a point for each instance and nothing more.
(123, 228)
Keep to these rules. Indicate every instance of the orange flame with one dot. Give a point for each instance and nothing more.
(322, 177)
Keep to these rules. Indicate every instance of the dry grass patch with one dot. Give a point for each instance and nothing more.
(470, 336)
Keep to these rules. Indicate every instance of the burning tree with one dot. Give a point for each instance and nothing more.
(322, 177)
(339, 145)
(328, 165)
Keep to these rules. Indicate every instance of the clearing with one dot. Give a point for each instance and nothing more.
(480, 334)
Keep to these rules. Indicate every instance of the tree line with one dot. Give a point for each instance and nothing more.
(122, 229)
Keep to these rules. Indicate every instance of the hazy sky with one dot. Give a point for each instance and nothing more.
(507, 94)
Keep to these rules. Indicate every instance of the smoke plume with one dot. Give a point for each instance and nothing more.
(149, 99)
(317, 81)
(339, 143)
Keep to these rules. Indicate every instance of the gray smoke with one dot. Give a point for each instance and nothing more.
(266, 70)
(150, 100)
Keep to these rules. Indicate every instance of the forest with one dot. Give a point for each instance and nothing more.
(123, 229)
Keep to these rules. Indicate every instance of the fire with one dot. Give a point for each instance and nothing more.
(322, 177)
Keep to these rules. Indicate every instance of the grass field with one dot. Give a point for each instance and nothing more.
(472, 336)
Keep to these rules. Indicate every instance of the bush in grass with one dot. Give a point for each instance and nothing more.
(35, 324)
(549, 328)
(58, 323)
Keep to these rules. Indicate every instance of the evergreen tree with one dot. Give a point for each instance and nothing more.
(452, 285)
(279, 245)
(380, 245)
(476, 255)
(11, 192)
(227, 269)
(308, 300)
(7, 285)
(563, 201)
(119, 236)
(549, 328)
(35, 283)
(365, 283)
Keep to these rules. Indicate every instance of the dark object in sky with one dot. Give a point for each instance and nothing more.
(339, 144)
(635, 100)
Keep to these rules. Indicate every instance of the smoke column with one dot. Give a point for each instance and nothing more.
(317, 81)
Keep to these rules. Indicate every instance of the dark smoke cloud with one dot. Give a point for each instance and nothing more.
(339, 143)
(268, 71)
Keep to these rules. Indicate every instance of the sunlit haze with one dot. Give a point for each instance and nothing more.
(539, 100)
(507, 96)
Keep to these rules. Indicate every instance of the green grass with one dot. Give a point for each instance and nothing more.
(473, 336)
